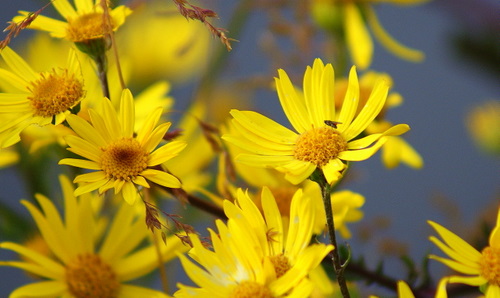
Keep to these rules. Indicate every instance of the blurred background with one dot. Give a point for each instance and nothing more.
(459, 185)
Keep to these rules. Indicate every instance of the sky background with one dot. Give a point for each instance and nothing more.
(438, 94)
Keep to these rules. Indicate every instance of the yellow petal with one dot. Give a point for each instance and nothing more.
(350, 103)
(294, 108)
(65, 9)
(370, 110)
(18, 65)
(390, 43)
(358, 39)
(127, 113)
(161, 178)
(41, 289)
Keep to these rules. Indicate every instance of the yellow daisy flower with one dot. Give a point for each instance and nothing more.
(84, 21)
(481, 268)
(78, 268)
(353, 17)
(324, 137)
(254, 256)
(178, 58)
(121, 159)
(36, 98)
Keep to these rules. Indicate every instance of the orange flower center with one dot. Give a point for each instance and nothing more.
(251, 289)
(55, 93)
(490, 265)
(124, 159)
(87, 27)
(281, 264)
(319, 145)
(88, 276)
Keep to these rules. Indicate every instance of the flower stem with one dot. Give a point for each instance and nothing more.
(319, 178)
(102, 68)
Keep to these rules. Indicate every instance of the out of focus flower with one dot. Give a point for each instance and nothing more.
(483, 122)
(170, 46)
(350, 19)
(191, 163)
(77, 268)
(122, 160)
(481, 269)
(324, 139)
(8, 157)
(254, 255)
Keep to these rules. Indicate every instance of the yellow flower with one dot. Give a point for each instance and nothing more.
(345, 203)
(36, 98)
(121, 159)
(352, 17)
(189, 165)
(324, 138)
(170, 46)
(8, 157)
(481, 268)
(84, 21)
(483, 123)
(254, 256)
(79, 268)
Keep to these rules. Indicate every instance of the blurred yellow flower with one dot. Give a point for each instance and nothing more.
(191, 163)
(122, 159)
(324, 138)
(483, 122)
(170, 46)
(78, 268)
(352, 19)
(481, 268)
(8, 157)
(254, 255)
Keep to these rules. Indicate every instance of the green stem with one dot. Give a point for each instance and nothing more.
(102, 68)
(337, 266)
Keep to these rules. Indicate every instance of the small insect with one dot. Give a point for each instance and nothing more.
(332, 123)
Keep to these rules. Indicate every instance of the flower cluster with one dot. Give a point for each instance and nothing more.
(86, 103)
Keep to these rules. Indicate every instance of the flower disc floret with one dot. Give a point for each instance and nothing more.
(88, 276)
(319, 145)
(124, 159)
(490, 265)
(88, 26)
(281, 264)
(55, 93)
(251, 289)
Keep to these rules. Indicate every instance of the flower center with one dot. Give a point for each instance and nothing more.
(55, 93)
(319, 145)
(281, 264)
(490, 265)
(88, 276)
(124, 159)
(251, 289)
(88, 26)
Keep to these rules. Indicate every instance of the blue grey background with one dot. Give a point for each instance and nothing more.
(438, 93)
